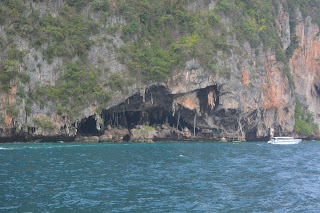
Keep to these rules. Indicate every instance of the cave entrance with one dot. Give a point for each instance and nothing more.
(88, 126)
(154, 107)
(151, 106)
(209, 98)
(129, 119)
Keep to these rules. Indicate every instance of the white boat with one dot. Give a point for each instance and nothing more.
(284, 140)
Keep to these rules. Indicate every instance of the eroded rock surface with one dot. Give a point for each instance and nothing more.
(248, 94)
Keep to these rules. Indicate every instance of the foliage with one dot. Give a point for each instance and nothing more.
(148, 128)
(3, 42)
(76, 88)
(2, 119)
(28, 110)
(9, 69)
(21, 93)
(78, 4)
(116, 82)
(12, 111)
(2, 16)
(43, 122)
(24, 77)
(289, 76)
(130, 29)
(224, 71)
(152, 22)
(157, 49)
(149, 62)
(160, 36)
(307, 8)
(8, 72)
(223, 5)
(304, 125)
(15, 54)
(213, 19)
(280, 55)
(15, 5)
(100, 5)
(66, 35)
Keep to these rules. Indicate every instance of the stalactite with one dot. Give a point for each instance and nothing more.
(194, 123)
(151, 98)
(211, 100)
(240, 125)
(143, 94)
(178, 121)
(117, 120)
(173, 108)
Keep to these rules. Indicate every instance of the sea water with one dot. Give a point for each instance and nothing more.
(160, 177)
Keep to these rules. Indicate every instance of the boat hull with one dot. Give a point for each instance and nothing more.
(284, 141)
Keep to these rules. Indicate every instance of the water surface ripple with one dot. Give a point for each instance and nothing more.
(160, 177)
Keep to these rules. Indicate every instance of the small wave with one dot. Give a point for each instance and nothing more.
(38, 147)
(184, 157)
(3, 148)
(9, 207)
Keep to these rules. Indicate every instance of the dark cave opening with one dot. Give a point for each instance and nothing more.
(151, 117)
(151, 107)
(87, 126)
(209, 99)
(154, 108)
(127, 138)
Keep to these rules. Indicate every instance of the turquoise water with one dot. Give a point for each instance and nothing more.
(160, 177)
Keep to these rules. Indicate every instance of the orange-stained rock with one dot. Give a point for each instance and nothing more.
(245, 77)
(12, 91)
(8, 120)
(189, 101)
(305, 65)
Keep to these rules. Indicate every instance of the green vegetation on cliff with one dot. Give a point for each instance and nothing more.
(77, 87)
(166, 36)
(44, 122)
(9, 69)
(157, 37)
(160, 35)
(158, 31)
(66, 34)
(304, 121)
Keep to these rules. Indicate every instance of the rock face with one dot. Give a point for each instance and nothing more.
(142, 134)
(305, 66)
(115, 135)
(87, 139)
(248, 95)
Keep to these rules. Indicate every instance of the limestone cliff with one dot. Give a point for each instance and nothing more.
(246, 91)
(305, 65)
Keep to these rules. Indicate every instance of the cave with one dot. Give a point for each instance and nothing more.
(155, 116)
(209, 99)
(152, 108)
(147, 108)
(88, 126)
(156, 106)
